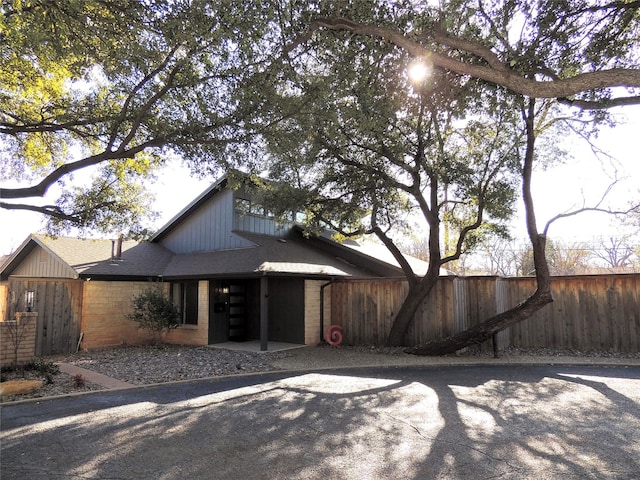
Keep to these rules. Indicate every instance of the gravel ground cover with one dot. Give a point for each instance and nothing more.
(141, 365)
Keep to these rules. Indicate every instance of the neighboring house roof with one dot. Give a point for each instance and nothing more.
(88, 257)
(383, 254)
(381, 261)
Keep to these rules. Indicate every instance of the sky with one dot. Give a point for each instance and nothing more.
(581, 182)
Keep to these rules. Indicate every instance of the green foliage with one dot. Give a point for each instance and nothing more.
(125, 84)
(40, 365)
(130, 83)
(154, 312)
(112, 201)
(362, 149)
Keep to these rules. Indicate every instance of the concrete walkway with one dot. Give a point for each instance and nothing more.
(94, 377)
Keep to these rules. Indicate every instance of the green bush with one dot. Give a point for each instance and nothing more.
(43, 366)
(48, 369)
(154, 312)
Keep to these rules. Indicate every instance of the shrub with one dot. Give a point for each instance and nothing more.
(154, 312)
(48, 369)
(42, 366)
(79, 381)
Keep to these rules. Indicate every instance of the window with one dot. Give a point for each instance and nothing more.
(185, 297)
(246, 207)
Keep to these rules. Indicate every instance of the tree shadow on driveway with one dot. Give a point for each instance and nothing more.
(422, 422)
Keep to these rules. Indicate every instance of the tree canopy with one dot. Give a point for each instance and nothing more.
(575, 51)
(510, 53)
(124, 85)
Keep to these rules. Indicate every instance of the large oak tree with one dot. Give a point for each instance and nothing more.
(574, 52)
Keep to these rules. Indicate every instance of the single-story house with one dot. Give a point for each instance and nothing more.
(234, 271)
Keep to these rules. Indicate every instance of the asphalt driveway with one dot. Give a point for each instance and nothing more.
(454, 422)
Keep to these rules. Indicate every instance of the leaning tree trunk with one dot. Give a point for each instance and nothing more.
(541, 297)
(418, 292)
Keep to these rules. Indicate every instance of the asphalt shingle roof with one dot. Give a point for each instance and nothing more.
(291, 256)
(94, 257)
(269, 255)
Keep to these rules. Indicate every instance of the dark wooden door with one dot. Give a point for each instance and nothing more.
(286, 310)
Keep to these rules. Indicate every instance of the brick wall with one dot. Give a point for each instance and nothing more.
(107, 304)
(24, 328)
(312, 290)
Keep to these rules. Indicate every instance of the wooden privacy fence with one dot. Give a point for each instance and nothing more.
(58, 304)
(595, 312)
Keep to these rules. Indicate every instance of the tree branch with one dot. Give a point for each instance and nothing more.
(494, 71)
(41, 188)
(590, 209)
(50, 210)
(600, 104)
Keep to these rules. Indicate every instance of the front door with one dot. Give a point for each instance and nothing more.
(218, 312)
(228, 311)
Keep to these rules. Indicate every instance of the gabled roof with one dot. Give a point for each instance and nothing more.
(189, 209)
(88, 257)
(294, 255)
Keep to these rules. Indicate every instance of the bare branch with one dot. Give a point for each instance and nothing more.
(590, 209)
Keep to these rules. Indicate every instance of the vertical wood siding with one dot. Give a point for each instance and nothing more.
(40, 264)
(208, 228)
(212, 225)
(589, 312)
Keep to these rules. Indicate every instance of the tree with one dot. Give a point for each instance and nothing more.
(365, 141)
(17, 329)
(503, 256)
(617, 253)
(564, 258)
(551, 58)
(122, 85)
(154, 312)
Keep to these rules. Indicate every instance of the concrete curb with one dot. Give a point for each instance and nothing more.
(112, 384)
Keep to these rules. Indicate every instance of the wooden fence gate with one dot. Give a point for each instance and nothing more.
(58, 304)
